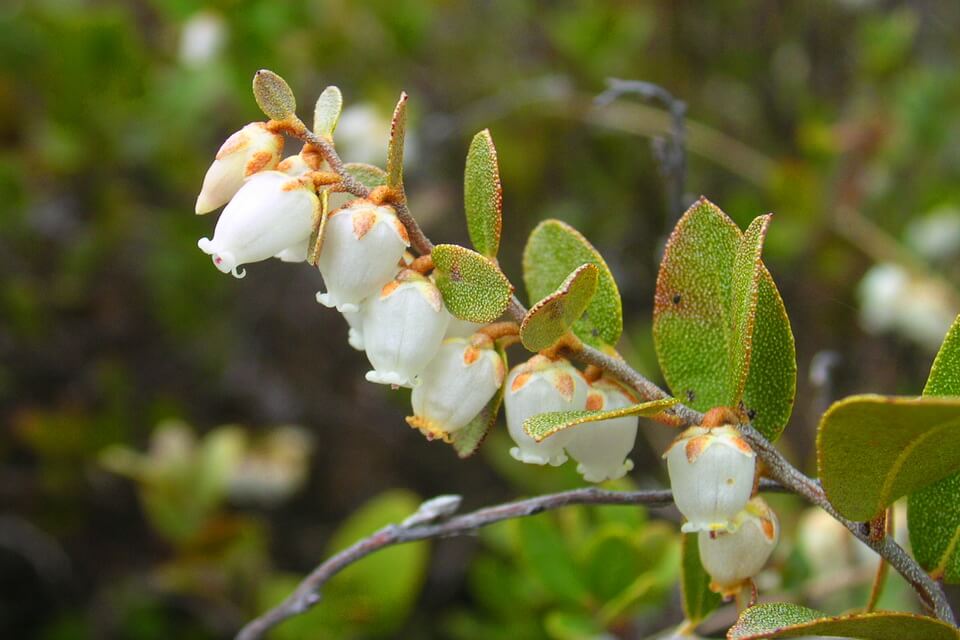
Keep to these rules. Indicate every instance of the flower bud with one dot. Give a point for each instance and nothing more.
(362, 245)
(403, 327)
(248, 151)
(456, 386)
(733, 557)
(711, 473)
(541, 385)
(601, 448)
(271, 214)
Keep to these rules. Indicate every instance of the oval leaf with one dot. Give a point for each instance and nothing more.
(545, 425)
(398, 131)
(273, 95)
(473, 287)
(483, 195)
(326, 113)
(745, 284)
(551, 318)
(467, 439)
(785, 620)
(698, 600)
(933, 513)
(873, 449)
(553, 250)
(368, 175)
(320, 216)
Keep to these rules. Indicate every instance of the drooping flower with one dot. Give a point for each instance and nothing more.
(711, 472)
(541, 385)
(271, 214)
(355, 333)
(733, 557)
(601, 448)
(462, 328)
(362, 244)
(249, 151)
(403, 328)
(456, 385)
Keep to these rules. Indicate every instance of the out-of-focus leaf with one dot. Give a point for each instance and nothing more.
(873, 449)
(933, 513)
(368, 175)
(786, 620)
(483, 195)
(553, 316)
(326, 113)
(571, 625)
(398, 132)
(545, 425)
(468, 439)
(612, 561)
(473, 287)
(698, 600)
(553, 250)
(549, 559)
(273, 95)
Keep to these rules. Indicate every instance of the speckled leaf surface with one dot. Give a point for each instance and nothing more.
(744, 291)
(698, 600)
(545, 425)
(468, 439)
(483, 195)
(874, 449)
(320, 216)
(786, 620)
(326, 113)
(473, 287)
(933, 513)
(370, 176)
(771, 384)
(273, 95)
(551, 318)
(553, 250)
(398, 132)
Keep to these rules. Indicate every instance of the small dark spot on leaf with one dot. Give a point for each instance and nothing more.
(595, 332)
(690, 395)
(751, 413)
(455, 274)
(865, 528)
(676, 298)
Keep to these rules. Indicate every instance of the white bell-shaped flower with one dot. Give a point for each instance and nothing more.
(601, 448)
(355, 333)
(403, 328)
(462, 328)
(456, 386)
(733, 557)
(248, 151)
(294, 165)
(362, 245)
(541, 385)
(711, 473)
(271, 213)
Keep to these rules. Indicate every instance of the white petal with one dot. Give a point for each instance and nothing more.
(601, 448)
(732, 557)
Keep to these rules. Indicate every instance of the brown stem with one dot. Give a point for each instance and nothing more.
(499, 330)
(422, 264)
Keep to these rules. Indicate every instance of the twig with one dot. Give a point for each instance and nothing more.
(307, 593)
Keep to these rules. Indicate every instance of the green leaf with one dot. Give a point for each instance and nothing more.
(327, 112)
(747, 272)
(553, 250)
(468, 439)
(368, 175)
(873, 449)
(571, 625)
(274, 95)
(553, 316)
(933, 513)
(483, 195)
(549, 559)
(473, 287)
(398, 131)
(698, 600)
(785, 620)
(719, 326)
(545, 425)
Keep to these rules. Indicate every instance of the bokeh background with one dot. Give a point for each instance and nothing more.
(129, 510)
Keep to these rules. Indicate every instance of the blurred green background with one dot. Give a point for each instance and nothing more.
(126, 511)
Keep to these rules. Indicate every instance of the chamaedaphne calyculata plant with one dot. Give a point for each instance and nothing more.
(439, 319)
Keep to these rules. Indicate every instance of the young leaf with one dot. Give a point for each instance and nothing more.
(698, 600)
(553, 250)
(368, 175)
(273, 95)
(327, 112)
(873, 449)
(545, 425)
(483, 195)
(468, 439)
(933, 513)
(398, 131)
(786, 620)
(473, 287)
(548, 320)
(744, 290)
(319, 225)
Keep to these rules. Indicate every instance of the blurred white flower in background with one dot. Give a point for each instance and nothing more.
(363, 132)
(935, 236)
(273, 467)
(202, 38)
